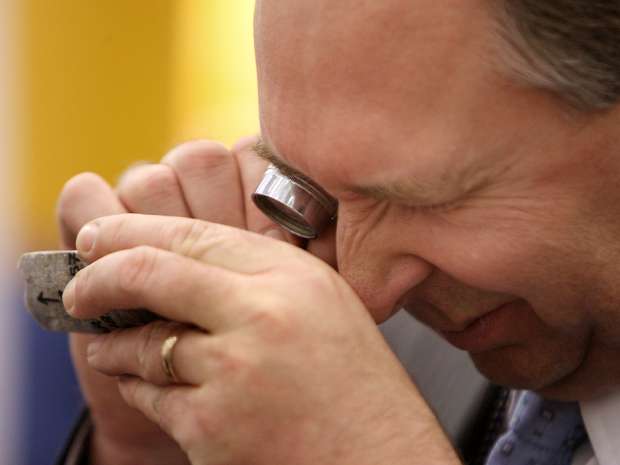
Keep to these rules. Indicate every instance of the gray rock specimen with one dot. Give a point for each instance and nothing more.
(46, 275)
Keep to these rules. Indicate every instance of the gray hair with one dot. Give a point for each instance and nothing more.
(570, 47)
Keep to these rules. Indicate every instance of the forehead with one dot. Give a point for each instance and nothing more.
(378, 91)
(346, 80)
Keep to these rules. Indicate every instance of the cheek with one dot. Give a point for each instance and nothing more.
(521, 261)
(384, 251)
(474, 258)
(542, 358)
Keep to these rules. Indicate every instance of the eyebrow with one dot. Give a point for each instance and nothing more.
(411, 192)
(264, 151)
(452, 187)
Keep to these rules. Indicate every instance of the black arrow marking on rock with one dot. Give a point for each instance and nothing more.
(45, 300)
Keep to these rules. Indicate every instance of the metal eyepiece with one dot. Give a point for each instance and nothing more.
(299, 207)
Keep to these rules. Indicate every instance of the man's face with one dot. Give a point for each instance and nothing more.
(490, 211)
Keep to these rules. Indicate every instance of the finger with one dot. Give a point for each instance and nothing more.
(218, 245)
(324, 247)
(167, 406)
(152, 189)
(175, 287)
(83, 198)
(138, 352)
(210, 180)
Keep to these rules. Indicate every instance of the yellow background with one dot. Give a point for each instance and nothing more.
(110, 82)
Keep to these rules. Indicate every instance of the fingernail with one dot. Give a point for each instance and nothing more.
(93, 348)
(87, 237)
(68, 297)
(276, 234)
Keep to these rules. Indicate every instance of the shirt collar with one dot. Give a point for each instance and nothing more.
(602, 420)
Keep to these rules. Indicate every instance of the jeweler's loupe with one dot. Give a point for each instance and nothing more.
(299, 207)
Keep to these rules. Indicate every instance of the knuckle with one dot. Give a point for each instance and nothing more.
(319, 279)
(148, 183)
(198, 157)
(136, 269)
(200, 351)
(230, 363)
(247, 143)
(276, 325)
(75, 190)
(187, 237)
(195, 238)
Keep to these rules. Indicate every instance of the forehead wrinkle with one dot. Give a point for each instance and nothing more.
(410, 190)
(452, 184)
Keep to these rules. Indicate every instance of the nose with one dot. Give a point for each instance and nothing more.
(377, 256)
(377, 265)
(382, 282)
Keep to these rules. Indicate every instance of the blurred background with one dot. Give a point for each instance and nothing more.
(95, 85)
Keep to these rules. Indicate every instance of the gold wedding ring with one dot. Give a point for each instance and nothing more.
(166, 359)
